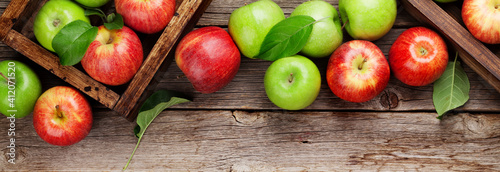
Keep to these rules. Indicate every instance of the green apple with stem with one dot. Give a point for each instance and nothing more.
(292, 83)
(92, 3)
(249, 25)
(368, 20)
(326, 34)
(52, 17)
(19, 89)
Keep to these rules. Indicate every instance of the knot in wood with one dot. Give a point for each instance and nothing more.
(389, 100)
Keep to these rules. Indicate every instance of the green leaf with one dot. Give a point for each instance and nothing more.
(151, 108)
(72, 41)
(451, 90)
(114, 21)
(286, 38)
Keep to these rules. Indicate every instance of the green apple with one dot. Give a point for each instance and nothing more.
(92, 3)
(52, 17)
(249, 25)
(326, 34)
(19, 89)
(368, 20)
(292, 83)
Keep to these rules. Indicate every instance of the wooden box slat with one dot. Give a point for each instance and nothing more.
(10, 16)
(474, 53)
(19, 12)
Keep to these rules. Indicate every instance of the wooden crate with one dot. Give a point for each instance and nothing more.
(447, 20)
(16, 31)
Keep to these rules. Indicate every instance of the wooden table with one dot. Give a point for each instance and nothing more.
(239, 129)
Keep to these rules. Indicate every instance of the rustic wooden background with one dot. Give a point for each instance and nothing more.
(239, 129)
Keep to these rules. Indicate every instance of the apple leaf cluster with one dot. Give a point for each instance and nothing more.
(111, 21)
(151, 108)
(451, 90)
(286, 38)
(73, 40)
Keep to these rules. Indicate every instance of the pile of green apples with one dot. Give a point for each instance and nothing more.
(357, 70)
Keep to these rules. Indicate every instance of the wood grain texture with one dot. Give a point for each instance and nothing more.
(128, 100)
(10, 16)
(271, 141)
(474, 53)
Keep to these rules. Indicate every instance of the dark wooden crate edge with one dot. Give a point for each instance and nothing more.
(475, 54)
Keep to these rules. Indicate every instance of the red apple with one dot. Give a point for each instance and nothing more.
(149, 16)
(482, 18)
(62, 116)
(357, 71)
(209, 58)
(114, 56)
(418, 56)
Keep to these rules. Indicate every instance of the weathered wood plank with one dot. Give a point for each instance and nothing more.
(10, 16)
(270, 141)
(246, 91)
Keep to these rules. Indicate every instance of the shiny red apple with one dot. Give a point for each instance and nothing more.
(209, 58)
(482, 18)
(114, 56)
(357, 71)
(146, 16)
(62, 116)
(418, 57)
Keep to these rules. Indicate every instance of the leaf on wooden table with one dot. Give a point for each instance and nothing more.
(286, 38)
(451, 90)
(151, 108)
(72, 41)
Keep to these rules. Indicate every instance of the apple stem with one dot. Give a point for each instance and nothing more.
(4, 76)
(346, 21)
(102, 15)
(58, 111)
(290, 78)
(423, 51)
(361, 64)
(56, 22)
(110, 40)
